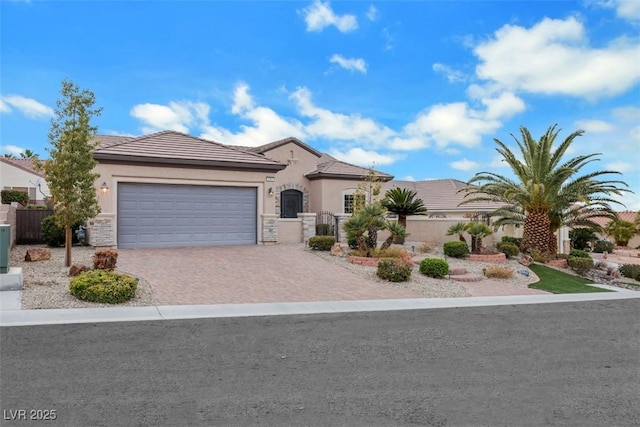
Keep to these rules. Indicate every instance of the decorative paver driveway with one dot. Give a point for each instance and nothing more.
(249, 274)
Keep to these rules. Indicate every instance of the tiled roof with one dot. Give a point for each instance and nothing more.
(333, 168)
(264, 148)
(109, 140)
(178, 148)
(26, 165)
(442, 195)
(629, 216)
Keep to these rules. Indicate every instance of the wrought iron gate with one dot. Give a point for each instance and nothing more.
(326, 224)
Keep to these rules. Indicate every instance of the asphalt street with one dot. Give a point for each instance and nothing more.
(561, 364)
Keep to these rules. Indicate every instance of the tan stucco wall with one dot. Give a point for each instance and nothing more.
(12, 177)
(112, 174)
(289, 230)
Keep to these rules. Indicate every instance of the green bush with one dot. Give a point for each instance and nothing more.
(515, 240)
(321, 243)
(394, 270)
(103, 286)
(434, 267)
(456, 249)
(579, 253)
(9, 196)
(52, 233)
(540, 257)
(509, 249)
(602, 246)
(580, 265)
(631, 271)
(323, 230)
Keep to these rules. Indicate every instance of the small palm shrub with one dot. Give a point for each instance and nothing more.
(394, 270)
(631, 271)
(434, 267)
(515, 240)
(580, 265)
(496, 272)
(579, 253)
(456, 249)
(52, 233)
(105, 260)
(322, 243)
(509, 249)
(103, 286)
(602, 246)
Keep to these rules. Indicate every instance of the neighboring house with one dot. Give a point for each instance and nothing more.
(170, 189)
(629, 216)
(20, 174)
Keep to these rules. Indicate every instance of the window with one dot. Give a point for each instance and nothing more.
(350, 200)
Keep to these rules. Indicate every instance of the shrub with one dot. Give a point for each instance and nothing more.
(509, 249)
(52, 233)
(631, 271)
(322, 243)
(424, 248)
(323, 230)
(539, 257)
(602, 246)
(455, 249)
(580, 265)
(105, 260)
(498, 272)
(579, 253)
(383, 253)
(9, 196)
(562, 256)
(352, 242)
(394, 270)
(515, 240)
(434, 267)
(103, 287)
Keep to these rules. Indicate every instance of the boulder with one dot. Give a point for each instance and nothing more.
(526, 260)
(77, 269)
(37, 254)
(337, 250)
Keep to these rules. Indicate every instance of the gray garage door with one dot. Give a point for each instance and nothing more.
(160, 215)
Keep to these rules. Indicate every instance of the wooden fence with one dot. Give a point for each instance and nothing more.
(29, 225)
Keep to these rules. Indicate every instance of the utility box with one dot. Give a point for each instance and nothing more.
(5, 241)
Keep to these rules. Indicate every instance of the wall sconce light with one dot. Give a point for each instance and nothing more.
(271, 191)
(104, 188)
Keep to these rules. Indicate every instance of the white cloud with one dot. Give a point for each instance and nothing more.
(408, 178)
(319, 15)
(351, 64)
(619, 166)
(453, 76)
(372, 13)
(27, 106)
(267, 125)
(12, 149)
(464, 165)
(629, 114)
(361, 157)
(178, 115)
(625, 9)
(408, 143)
(504, 105)
(594, 126)
(389, 40)
(553, 57)
(336, 126)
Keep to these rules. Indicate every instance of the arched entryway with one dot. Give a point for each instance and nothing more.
(290, 203)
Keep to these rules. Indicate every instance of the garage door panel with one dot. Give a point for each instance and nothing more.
(160, 215)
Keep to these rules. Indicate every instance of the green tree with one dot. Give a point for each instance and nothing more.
(69, 170)
(545, 187)
(477, 231)
(28, 154)
(396, 232)
(9, 156)
(368, 220)
(622, 231)
(458, 229)
(368, 190)
(403, 202)
(582, 238)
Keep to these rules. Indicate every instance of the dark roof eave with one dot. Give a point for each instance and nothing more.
(258, 167)
(319, 175)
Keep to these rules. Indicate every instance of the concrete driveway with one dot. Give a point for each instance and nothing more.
(248, 274)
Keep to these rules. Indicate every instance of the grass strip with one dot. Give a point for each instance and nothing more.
(558, 282)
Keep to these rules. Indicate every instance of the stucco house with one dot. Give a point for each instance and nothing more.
(20, 174)
(169, 189)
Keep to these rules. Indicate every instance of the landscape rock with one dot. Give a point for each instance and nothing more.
(77, 269)
(337, 250)
(526, 260)
(37, 254)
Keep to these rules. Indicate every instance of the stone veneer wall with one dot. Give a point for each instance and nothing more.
(308, 225)
(101, 230)
(8, 216)
(342, 218)
(269, 228)
(301, 188)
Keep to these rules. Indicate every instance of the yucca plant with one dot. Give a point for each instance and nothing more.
(396, 230)
(478, 231)
(458, 229)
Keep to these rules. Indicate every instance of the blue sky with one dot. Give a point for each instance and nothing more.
(417, 89)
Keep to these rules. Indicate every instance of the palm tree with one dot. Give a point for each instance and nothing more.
(355, 227)
(403, 202)
(9, 156)
(374, 217)
(622, 231)
(478, 231)
(396, 230)
(545, 188)
(458, 229)
(28, 154)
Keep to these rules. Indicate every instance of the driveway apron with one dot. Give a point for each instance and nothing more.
(249, 274)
